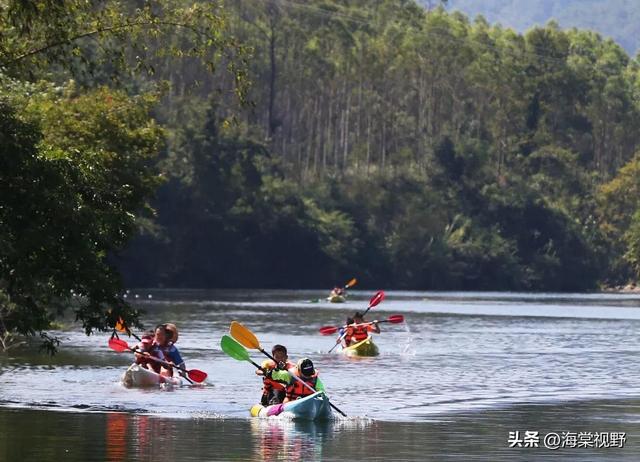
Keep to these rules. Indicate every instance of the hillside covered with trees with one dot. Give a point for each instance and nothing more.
(617, 19)
(295, 144)
(413, 148)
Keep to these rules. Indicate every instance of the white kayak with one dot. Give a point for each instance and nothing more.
(138, 376)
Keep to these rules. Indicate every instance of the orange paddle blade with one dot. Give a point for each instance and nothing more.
(244, 336)
(120, 326)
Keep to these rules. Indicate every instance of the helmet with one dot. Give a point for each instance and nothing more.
(305, 366)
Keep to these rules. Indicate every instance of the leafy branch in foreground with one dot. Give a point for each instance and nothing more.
(77, 164)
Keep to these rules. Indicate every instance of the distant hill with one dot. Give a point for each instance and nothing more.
(618, 19)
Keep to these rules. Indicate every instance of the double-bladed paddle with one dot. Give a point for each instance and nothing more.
(247, 339)
(236, 351)
(375, 300)
(393, 319)
(196, 375)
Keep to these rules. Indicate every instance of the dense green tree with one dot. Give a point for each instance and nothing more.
(77, 161)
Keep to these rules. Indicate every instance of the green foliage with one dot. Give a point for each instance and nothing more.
(78, 160)
(417, 149)
(75, 171)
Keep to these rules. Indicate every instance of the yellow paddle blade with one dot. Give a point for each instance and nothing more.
(120, 327)
(351, 283)
(244, 336)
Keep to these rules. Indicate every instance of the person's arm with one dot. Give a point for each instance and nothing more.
(288, 396)
(375, 327)
(319, 385)
(281, 375)
(175, 358)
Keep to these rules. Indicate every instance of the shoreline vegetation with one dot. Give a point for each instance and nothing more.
(631, 288)
(281, 145)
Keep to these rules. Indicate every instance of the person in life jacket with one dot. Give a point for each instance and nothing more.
(337, 291)
(359, 330)
(166, 335)
(306, 373)
(146, 349)
(275, 376)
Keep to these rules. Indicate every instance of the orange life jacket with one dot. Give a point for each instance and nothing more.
(358, 332)
(296, 390)
(269, 384)
(145, 360)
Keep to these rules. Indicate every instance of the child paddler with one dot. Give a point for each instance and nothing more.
(359, 330)
(306, 373)
(275, 376)
(337, 292)
(165, 339)
(145, 349)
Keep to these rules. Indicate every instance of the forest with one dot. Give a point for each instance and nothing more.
(415, 149)
(287, 144)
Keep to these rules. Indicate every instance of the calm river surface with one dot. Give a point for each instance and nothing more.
(464, 371)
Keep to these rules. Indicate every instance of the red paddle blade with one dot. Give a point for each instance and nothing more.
(396, 319)
(118, 345)
(328, 330)
(197, 376)
(377, 298)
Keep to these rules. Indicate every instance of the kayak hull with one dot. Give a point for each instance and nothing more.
(313, 407)
(336, 298)
(140, 377)
(362, 349)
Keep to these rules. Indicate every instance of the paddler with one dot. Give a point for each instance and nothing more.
(304, 371)
(166, 335)
(337, 292)
(147, 348)
(275, 376)
(359, 330)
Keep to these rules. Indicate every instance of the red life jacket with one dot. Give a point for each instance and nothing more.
(270, 384)
(145, 360)
(296, 390)
(357, 332)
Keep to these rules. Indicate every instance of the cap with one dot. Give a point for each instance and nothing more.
(305, 366)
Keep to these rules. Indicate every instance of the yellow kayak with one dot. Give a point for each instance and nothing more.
(364, 348)
(336, 298)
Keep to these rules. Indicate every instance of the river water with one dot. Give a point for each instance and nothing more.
(454, 382)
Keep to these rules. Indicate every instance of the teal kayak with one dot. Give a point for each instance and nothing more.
(312, 407)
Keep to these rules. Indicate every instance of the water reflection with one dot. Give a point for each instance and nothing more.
(291, 440)
(116, 437)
